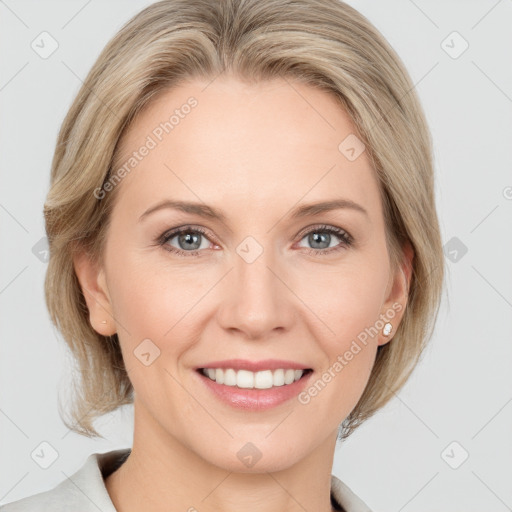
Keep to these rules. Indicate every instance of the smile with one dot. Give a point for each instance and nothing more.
(246, 379)
(254, 391)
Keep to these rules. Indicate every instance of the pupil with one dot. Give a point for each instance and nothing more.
(188, 238)
(315, 239)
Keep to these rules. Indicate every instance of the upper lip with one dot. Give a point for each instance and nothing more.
(255, 366)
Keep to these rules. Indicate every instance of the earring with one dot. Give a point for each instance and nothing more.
(103, 321)
(387, 329)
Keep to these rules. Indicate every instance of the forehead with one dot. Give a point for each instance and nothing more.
(250, 144)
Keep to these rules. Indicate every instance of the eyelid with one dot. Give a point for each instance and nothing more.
(171, 233)
(327, 227)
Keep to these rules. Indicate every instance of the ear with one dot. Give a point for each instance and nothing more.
(94, 287)
(396, 300)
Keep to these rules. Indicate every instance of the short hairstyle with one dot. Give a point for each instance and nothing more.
(321, 43)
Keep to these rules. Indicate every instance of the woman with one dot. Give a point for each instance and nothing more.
(244, 244)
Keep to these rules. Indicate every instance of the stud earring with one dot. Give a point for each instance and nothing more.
(387, 329)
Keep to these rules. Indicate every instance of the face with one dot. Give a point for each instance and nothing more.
(257, 282)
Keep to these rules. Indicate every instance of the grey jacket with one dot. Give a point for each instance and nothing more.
(85, 490)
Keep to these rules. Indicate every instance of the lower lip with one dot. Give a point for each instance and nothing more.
(255, 399)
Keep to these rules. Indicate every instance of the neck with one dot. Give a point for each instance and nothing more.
(159, 473)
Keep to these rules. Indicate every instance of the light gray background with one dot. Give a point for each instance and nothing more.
(462, 390)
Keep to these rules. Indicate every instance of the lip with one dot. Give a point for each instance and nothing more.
(254, 399)
(255, 366)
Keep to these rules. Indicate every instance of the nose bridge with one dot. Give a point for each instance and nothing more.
(255, 283)
(255, 301)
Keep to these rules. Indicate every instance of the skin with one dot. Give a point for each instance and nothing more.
(254, 152)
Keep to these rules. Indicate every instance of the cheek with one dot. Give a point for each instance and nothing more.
(346, 301)
(349, 307)
(151, 303)
(148, 299)
(139, 300)
(159, 301)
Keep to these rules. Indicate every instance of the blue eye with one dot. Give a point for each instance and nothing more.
(321, 235)
(189, 237)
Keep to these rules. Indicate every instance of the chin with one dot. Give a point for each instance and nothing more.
(257, 456)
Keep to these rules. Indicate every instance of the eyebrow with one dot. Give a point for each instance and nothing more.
(206, 211)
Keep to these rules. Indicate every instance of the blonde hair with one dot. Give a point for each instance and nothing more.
(322, 43)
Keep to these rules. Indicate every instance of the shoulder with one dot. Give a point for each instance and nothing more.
(345, 498)
(84, 490)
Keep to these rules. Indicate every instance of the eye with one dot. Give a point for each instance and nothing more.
(187, 237)
(320, 237)
(195, 239)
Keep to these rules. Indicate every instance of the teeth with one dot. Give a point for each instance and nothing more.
(259, 380)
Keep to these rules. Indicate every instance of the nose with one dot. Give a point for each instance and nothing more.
(257, 301)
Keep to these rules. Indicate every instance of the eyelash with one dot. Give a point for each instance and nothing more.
(346, 239)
